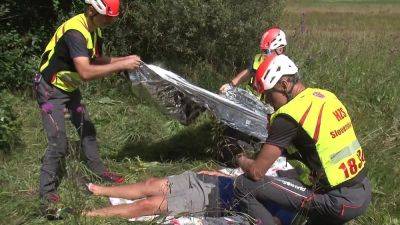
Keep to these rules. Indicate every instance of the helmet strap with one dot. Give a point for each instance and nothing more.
(294, 81)
(267, 51)
(95, 12)
(288, 94)
(91, 18)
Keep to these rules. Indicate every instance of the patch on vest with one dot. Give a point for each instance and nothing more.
(318, 94)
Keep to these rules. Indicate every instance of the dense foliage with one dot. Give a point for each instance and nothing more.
(219, 32)
(9, 124)
(213, 33)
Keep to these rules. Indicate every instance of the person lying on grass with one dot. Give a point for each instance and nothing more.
(207, 193)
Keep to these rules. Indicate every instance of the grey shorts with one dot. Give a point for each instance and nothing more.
(190, 193)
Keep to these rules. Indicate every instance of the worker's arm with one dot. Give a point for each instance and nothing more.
(256, 169)
(90, 71)
(240, 78)
(103, 66)
(106, 60)
(282, 132)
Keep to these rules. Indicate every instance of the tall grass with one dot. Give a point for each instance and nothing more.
(136, 140)
(356, 56)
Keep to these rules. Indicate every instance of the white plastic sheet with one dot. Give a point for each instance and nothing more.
(237, 108)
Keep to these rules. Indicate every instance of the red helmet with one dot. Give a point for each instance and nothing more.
(271, 70)
(105, 7)
(272, 39)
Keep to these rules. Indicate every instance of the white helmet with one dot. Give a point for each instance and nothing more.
(105, 7)
(271, 70)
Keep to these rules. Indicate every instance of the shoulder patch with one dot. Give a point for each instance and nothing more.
(318, 94)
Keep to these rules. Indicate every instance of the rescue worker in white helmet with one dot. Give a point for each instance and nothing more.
(318, 126)
(272, 42)
(72, 56)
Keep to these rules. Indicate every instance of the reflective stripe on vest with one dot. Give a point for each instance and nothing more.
(327, 122)
(70, 80)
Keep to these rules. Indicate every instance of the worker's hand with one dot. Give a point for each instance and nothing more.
(132, 57)
(242, 160)
(240, 157)
(225, 88)
(132, 62)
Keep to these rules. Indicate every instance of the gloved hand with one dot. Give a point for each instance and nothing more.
(225, 87)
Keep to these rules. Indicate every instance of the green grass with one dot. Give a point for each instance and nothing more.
(351, 49)
(136, 140)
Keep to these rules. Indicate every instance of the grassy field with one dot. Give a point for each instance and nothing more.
(348, 47)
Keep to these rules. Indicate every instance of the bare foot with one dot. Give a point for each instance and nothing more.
(95, 189)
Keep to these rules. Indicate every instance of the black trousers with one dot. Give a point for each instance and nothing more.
(53, 102)
(334, 207)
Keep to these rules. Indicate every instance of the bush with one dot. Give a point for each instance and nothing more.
(18, 47)
(24, 32)
(9, 125)
(17, 62)
(222, 33)
(219, 34)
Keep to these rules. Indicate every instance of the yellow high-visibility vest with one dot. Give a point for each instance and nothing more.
(68, 79)
(258, 59)
(327, 122)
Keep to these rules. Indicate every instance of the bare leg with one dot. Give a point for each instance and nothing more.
(150, 187)
(150, 206)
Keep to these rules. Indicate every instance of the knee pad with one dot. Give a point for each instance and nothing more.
(47, 107)
(78, 108)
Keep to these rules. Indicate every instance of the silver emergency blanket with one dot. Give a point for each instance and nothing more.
(184, 101)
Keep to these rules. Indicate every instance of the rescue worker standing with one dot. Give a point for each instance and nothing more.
(273, 42)
(74, 55)
(318, 125)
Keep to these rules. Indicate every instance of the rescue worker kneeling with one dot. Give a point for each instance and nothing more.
(318, 125)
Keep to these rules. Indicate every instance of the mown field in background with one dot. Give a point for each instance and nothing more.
(348, 47)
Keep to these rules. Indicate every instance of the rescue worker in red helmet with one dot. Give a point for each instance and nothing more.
(73, 56)
(318, 126)
(272, 42)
